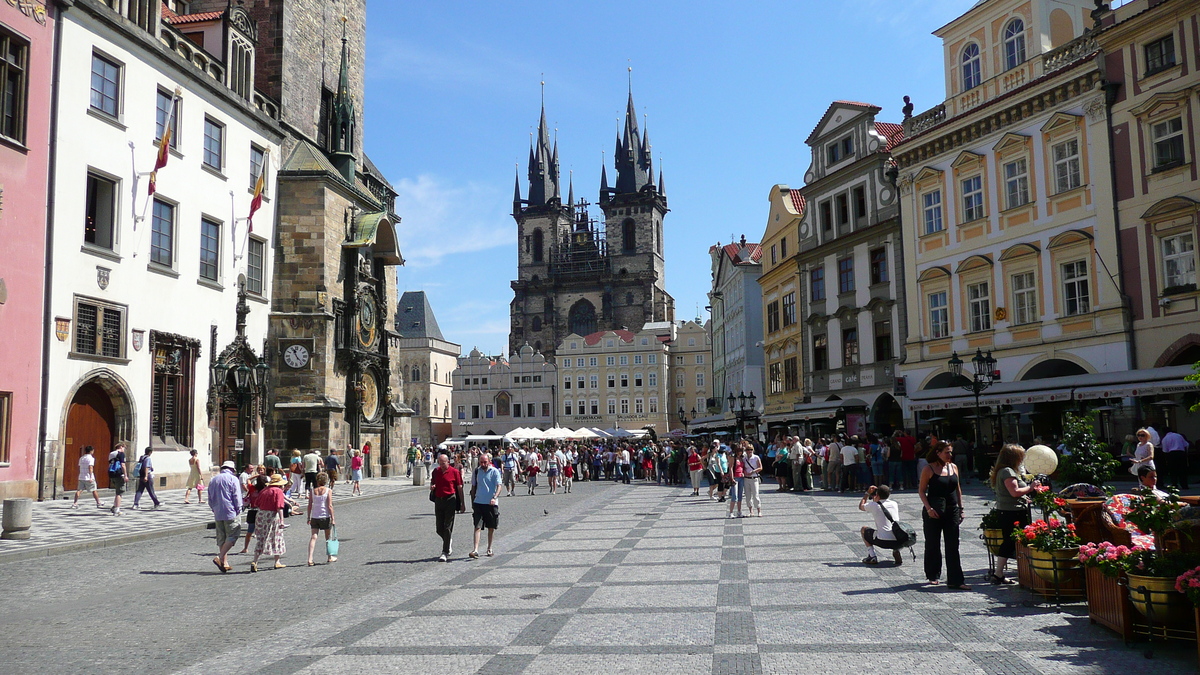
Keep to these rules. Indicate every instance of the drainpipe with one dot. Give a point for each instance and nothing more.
(1110, 98)
(46, 298)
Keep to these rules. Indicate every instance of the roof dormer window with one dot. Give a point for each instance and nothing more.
(840, 149)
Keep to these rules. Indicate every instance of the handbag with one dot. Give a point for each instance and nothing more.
(332, 544)
(905, 534)
(431, 497)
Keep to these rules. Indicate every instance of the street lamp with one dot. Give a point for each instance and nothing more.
(743, 408)
(982, 377)
(684, 419)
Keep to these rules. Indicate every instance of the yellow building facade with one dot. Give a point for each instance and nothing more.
(782, 332)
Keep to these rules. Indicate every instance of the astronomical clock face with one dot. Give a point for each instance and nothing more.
(370, 396)
(367, 321)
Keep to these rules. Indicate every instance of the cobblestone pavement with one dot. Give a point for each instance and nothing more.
(58, 528)
(646, 579)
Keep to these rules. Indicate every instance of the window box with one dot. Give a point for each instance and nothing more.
(1179, 290)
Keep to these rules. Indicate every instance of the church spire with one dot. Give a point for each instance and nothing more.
(632, 160)
(341, 140)
(543, 165)
(516, 190)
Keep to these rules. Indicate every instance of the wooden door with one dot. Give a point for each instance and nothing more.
(90, 421)
(229, 435)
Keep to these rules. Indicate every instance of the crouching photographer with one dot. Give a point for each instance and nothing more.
(885, 512)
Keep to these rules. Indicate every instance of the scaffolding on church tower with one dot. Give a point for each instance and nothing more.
(583, 250)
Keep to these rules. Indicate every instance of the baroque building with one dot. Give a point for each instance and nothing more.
(690, 373)
(494, 395)
(780, 283)
(575, 275)
(426, 359)
(617, 379)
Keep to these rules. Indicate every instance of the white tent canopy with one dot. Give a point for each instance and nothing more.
(584, 432)
(524, 434)
(558, 433)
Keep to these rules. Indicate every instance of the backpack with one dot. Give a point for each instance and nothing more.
(905, 534)
(137, 469)
(114, 465)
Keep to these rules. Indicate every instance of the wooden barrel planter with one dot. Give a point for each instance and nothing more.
(1108, 603)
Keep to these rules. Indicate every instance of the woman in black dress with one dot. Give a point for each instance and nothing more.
(941, 494)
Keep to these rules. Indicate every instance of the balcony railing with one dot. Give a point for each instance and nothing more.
(1068, 53)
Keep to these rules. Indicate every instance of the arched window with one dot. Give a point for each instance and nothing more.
(434, 409)
(537, 323)
(1014, 44)
(582, 318)
(416, 374)
(970, 67)
(538, 245)
(435, 373)
(628, 236)
(446, 410)
(416, 406)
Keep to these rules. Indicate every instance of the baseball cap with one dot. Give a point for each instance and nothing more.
(229, 465)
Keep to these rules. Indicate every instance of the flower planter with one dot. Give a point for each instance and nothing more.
(1108, 603)
(1053, 566)
(1156, 599)
(1070, 581)
(993, 539)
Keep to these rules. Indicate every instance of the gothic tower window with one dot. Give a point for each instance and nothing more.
(628, 236)
(537, 323)
(416, 374)
(538, 246)
(582, 318)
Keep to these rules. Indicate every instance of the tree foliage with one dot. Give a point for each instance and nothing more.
(1089, 461)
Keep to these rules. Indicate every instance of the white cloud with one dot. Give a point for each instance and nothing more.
(440, 220)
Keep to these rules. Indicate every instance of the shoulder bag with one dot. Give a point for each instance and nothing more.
(905, 534)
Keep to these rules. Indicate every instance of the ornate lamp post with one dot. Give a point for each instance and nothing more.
(982, 377)
(684, 419)
(743, 408)
(248, 382)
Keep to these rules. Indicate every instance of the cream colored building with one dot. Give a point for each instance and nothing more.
(780, 282)
(1007, 216)
(616, 379)
(690, 372)
(426, 360)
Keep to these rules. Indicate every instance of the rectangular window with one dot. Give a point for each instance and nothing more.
(820, 352)
(850, 347)
(1076, 292)
(846, 275)
(1160, 54)
(595, 382)
(860, 202)
(5, 424)
(162, 115)
(883, 340)
(980, 305)
(791, 374)
(595, 406)
(972, 194)
(774, 258)
(637, 359)
(516, 410)
(610, 361)
(772, 316)
(612, 406)
(939, 316)
(172, 390)
(652, 359)
(639, 406)
(531, 410)
(816, 284)
(699, 359)
(488, 411)
(843, 209)
(826, 215)
(624, 406)
(652, 379)
(100, 226)
(210, 249)
(679, 379)
(789, 309)
(462, 412)
(106, 86)
(1066, 165)
(1168, 143)
(775, 376)
(593, 361)
(567, 382)
(933, 211)
(14, 83)
(612, 381)
(1024, 298)
(879, 266)
(567, 408)
(624, 381)
(783, 248)
(699, 379)
(1016, 184)
(545, 409)
(637, 379)
(624, 360)
(256, 251)
(99, 329)
(653, 402)
(474, 412)
(257, 157)
(162, 234)
(214, 140)
(1179, 260)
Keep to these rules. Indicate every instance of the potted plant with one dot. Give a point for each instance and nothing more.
(1111, 559)
(1089, 461)
(1105, 565)
(1152, 514)
(1153, 586)
(1046, 501)
(1054, 547)
(992, 525)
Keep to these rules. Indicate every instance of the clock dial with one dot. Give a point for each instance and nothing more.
(370, 396)
(296, 356)
(366, 321)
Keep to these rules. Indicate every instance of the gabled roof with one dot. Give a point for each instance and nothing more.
(370, 169)
(734, 253)
(181, 19)
(894, 133)
(852, 105)
(414, 317)
(594, 338)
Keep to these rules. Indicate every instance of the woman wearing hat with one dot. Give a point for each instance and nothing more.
(268, 526)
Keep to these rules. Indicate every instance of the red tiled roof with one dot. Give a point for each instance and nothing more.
(732, 250)
(865, 105)
(798, 201)
(181, 19)
(589, 340)
(894, 133)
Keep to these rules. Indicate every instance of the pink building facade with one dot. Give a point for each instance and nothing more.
(26, 74)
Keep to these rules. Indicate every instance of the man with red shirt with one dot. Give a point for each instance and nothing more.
(908, 457)
(444, 486)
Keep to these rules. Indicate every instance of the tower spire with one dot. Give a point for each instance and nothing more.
(341, 141)
(516, 189)
(632, 160)
(543, 162)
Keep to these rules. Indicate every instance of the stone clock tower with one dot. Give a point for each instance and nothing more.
(333, 382)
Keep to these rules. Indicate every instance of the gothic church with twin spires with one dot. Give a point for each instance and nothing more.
(575, 275)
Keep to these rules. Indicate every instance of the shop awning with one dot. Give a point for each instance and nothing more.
(824, 409)
(1090, 386)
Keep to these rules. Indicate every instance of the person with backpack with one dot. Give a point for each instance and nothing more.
(118, 475)
(885, 512)
(145, 475)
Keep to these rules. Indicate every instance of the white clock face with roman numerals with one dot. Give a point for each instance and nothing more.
(296, 356)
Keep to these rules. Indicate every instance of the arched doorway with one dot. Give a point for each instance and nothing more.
(886, 414)
(1053, 368)
(91, 420)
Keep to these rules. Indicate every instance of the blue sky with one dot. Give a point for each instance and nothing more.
(730, 94)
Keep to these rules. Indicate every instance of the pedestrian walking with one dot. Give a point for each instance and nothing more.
(268, 527)
(272, 462)
(553, 462)
(331, 467)
(1174, 458)
(296, 471)
(87, 477)
(752, 469)
(320, 514)
(738, 482)
(568, 475)
(249, 481)
(941, 493)
(145, 474)
(485, 509)
(510, 471)
(356, 467)
(531, 472)
(225, 500)
(118, 474)
(410, 458)
(312, 463)
(783, 464)
(445, 488)
(195, 479)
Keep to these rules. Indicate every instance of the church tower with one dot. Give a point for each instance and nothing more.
(575, 275)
